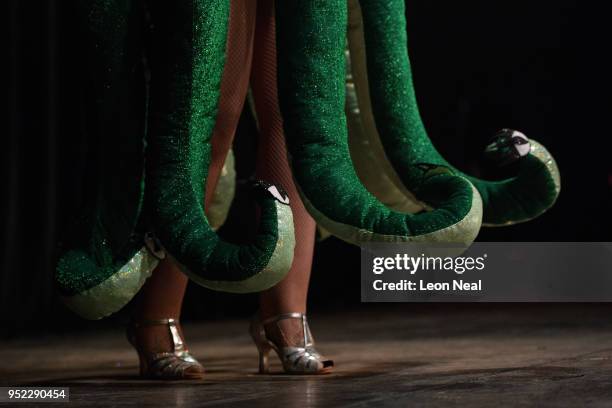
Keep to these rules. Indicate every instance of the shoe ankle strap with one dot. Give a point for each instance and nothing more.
(177, 341)
(155, 322)
(283, 316)
(307, 336)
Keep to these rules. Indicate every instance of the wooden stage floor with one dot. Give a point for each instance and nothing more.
(482, 355)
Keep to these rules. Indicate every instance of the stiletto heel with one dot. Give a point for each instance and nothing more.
(264, 364)
(302, 359)
(177, 364)
(259, 337)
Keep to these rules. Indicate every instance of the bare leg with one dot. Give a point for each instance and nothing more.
(161, 298)
(234, 86)
(162, 295)
(272, 165)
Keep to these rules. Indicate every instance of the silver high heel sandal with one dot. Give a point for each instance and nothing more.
(302, 359)
(171, 365)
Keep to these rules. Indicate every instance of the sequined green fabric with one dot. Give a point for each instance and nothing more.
(104, 263)
(102, 238)
(187, 56)
(277, 266)
(393, 101)
(310, 42)
(367, 153)
(113, 293)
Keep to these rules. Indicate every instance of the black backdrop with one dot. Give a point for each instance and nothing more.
(539, 66)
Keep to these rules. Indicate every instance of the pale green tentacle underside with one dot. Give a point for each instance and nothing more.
(224, 193)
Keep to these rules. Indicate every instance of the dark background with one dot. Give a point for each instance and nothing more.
(538, 66)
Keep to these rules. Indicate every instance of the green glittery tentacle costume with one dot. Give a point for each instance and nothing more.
(383, 102)
(187, 57)
(107, 262)
(161, 189)
(103, 259)
(311, 38)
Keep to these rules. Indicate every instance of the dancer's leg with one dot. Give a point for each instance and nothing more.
(290, 294)
(162, 295)
(234, 86)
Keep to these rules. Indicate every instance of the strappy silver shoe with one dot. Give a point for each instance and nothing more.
(301, 359)
(171, 365)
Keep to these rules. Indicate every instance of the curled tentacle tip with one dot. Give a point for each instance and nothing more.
(263, 189)
(507, 146)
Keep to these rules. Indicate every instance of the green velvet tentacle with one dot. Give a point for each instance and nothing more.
(102, 249)
(311, 41)
(187, 57)
(530, 193)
